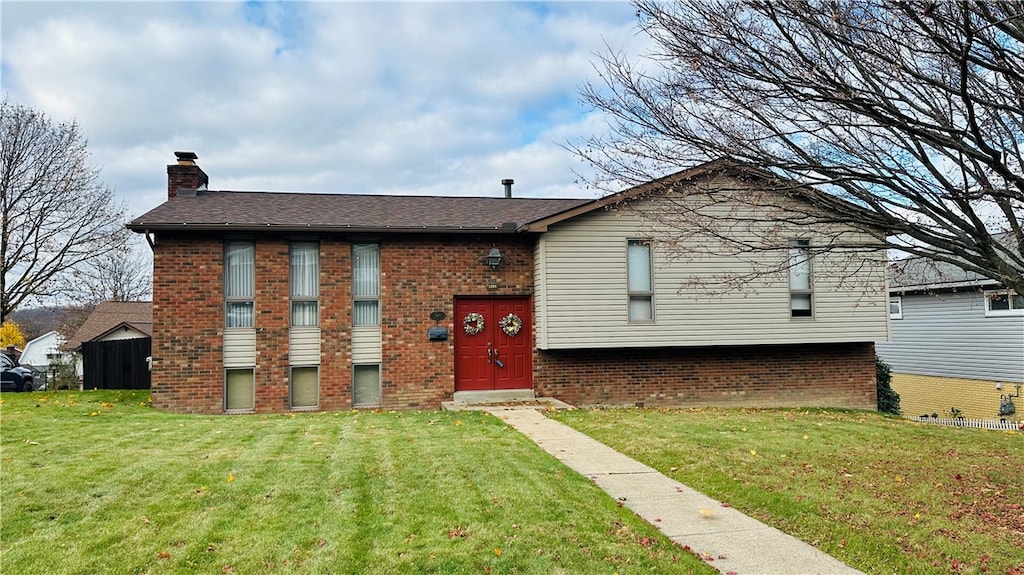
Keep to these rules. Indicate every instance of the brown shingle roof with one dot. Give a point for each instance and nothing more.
(301, 211)
(111, 314)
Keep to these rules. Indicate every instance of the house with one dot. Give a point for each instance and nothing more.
(269, 302)
(957, 340)
(114, 344)
(43, 350)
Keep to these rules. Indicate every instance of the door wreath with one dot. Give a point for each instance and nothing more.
(473, 324)
(511, 324)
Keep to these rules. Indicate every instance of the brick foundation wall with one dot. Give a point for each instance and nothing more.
(820, 375)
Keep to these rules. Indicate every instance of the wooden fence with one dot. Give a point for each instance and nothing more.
(118, 364)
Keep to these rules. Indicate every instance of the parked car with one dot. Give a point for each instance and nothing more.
(14, 377)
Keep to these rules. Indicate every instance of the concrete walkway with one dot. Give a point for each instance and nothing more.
(727, 539)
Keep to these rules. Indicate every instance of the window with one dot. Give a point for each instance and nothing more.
(239, 284)
(1003, 302)
(639, 281)
(895, 308)
(366, 386)
(366, 284)
(305, 387)
(239, 390)
(305, 283)
(800, 291)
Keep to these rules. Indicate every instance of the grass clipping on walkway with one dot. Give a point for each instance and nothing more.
(882, 494)
(100, 482)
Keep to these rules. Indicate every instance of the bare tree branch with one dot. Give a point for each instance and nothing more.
(121, 274)
(56, 213)
(904, 117)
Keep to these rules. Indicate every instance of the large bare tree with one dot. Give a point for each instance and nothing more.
(904, 119)
(122, 274)
(56, 213)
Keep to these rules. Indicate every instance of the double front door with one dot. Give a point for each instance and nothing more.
(493, 344)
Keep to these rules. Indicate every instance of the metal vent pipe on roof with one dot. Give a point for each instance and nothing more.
(507, 182)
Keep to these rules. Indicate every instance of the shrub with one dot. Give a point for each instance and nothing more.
(888, 399)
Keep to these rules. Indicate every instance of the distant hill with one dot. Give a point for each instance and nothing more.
(35, 321)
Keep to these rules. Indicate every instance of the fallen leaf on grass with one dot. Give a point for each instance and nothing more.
(497, 551)
(231, 477)
(145, 520)
(163, 555)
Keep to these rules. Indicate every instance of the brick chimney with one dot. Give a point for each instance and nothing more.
(185, 174)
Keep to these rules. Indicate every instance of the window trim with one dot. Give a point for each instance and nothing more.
(380, 387)
(292, 298)
(898, 300)
(376, 298)
(247, 299)
(252, 372)
(291, 388)
(804, 246)
(648, 294)
(1010, 294)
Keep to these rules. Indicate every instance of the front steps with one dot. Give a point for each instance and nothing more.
(501, 399)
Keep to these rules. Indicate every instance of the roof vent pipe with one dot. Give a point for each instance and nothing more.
(507, 182)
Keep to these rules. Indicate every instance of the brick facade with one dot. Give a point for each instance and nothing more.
(419, 275)
(838, 375)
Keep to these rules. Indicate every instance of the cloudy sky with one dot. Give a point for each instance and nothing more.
(389, 98)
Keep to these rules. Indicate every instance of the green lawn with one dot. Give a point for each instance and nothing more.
(100, 482)
(882, 494)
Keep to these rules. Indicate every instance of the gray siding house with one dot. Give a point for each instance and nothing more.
(956, 341)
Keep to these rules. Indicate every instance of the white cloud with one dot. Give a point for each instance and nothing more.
(423, 98)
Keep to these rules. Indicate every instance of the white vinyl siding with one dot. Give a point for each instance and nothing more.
(304, 346)
(583, 270)
(947, 334)
(239, 347)
(366, 344)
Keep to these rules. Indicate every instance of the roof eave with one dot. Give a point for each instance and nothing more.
(143, 227)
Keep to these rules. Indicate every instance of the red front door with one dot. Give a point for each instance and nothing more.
(493, 357)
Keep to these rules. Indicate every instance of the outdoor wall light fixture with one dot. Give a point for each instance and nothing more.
(494, 258)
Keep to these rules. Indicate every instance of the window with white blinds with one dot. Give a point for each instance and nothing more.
(304, 283)
(239, 284)
(366, 284)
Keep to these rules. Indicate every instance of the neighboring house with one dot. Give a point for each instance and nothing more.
(43, 350)
(114, 343)
(270, 302)
(957, 340)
